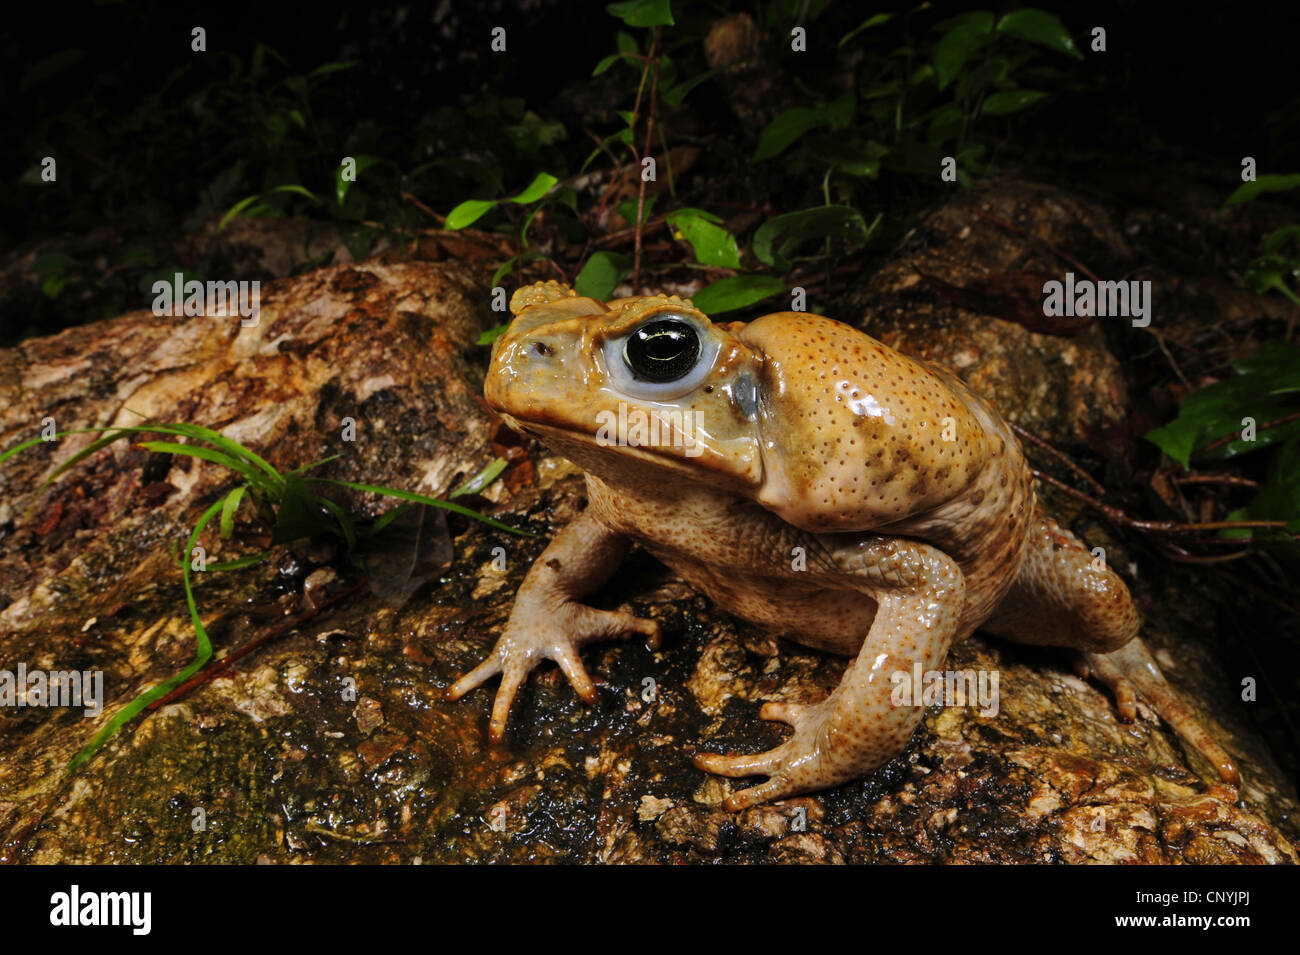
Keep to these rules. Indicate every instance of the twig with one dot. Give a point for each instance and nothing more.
(1059, 455)
(441, 220)
(1050, 246)
(1169, 357)
(1163, 527)
(1174, 552)
(649, 136)
(1214, 479)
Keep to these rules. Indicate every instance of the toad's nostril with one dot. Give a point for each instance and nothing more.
(541, 348)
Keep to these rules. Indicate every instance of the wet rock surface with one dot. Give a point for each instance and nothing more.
(334, 743)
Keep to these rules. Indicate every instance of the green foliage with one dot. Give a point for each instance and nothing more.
(1278, 269)
(1261, 184)
(796, 228)
(712, 244)
(1265, 388)
(471, 210)
(601, 274)
(286, 503)
(1240, 409)
(728, 295)
(1280, 260)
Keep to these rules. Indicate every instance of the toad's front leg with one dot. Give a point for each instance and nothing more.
(547, 621)
(919, 592)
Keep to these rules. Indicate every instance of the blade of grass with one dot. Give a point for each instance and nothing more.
(216, 457)
(229, 445)
(315, 464)
(344, 519)
(203, 653)
(240, 562)
(425, 499)
(228, 508)
(482, 479)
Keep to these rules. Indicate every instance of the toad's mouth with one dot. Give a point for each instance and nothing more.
(674, 449)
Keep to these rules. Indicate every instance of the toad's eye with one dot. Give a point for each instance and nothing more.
(664, 358)
(662, 350)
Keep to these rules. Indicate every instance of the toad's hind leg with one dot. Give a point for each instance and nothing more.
(919, 593)
(1063, 596)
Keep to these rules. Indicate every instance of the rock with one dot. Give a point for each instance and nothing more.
(1068, 390)
(335, 743)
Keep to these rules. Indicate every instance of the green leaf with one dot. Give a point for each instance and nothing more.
(327, 68)
(492, 334)
(1279, 240)
(468, 212)
(1279, 498)
(341, 185)
(1265, 389)
(839, 112)
(601, 274)
(197, 432)
(235, 210)
(300, 513)
(240, 563)
(713, 245)
(1269, 273)
(345, 523)
(674, 96)
(1011, 101)
(643, 13)
(872, 21)
(1249, 190)
(538, 188)
(795, 228)
(49, 67)
(1041, 27)
(509, 265)
(981, 20)
(607, 62)
(481, 480)
(727, 295)
(627, 208)
(297, 190)
(786, 129)
(956, 46)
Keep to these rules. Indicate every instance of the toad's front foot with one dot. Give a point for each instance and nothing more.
(542, 630)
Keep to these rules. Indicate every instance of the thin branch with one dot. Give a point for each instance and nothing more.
(1214, 479)
(649, 138)
(1163, 527)
(1050, 246)
(1059, 455)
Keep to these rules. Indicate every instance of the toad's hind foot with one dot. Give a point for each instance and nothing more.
(1132, 666)
(791, 768)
